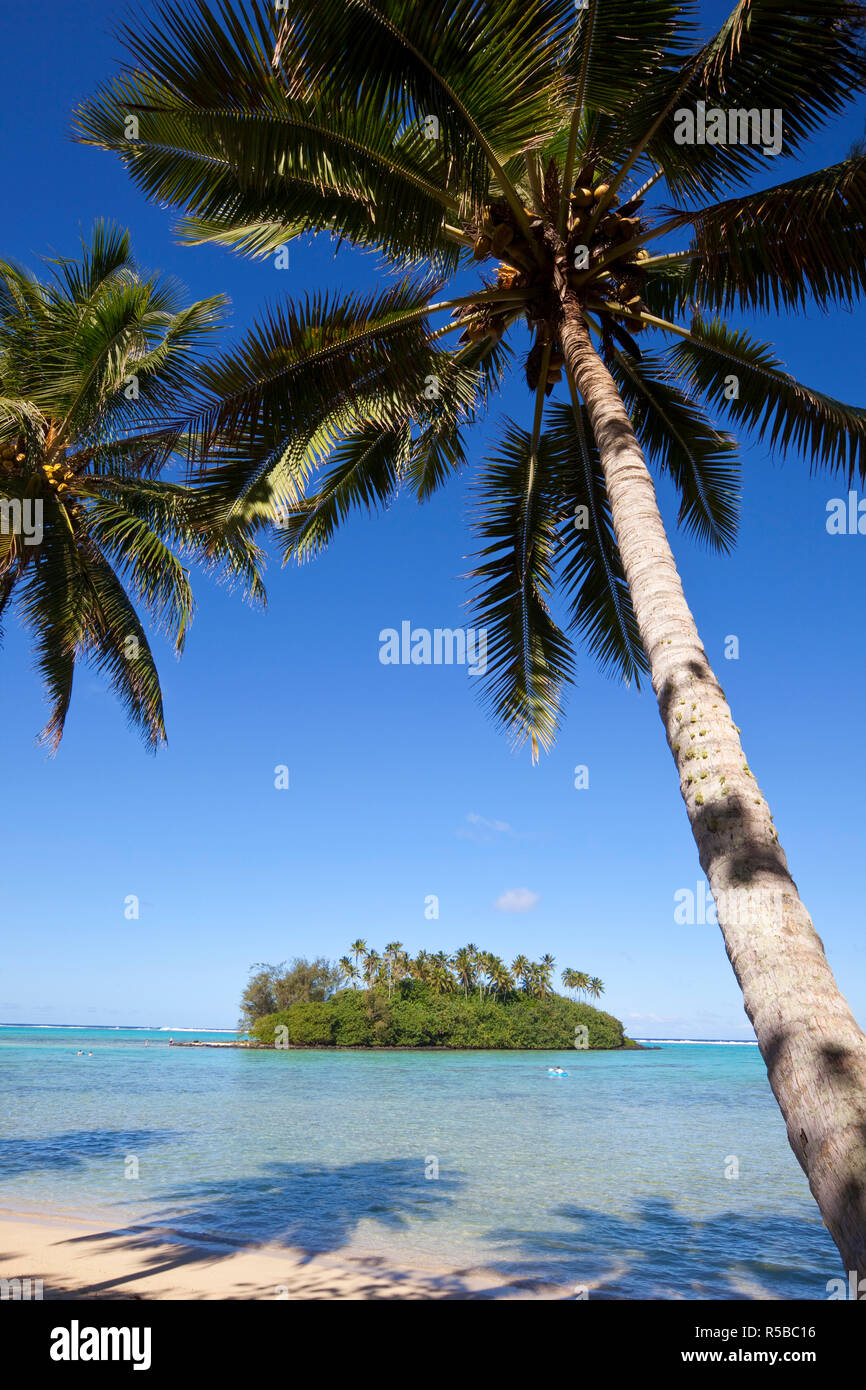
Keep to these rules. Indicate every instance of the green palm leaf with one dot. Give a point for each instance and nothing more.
(529, 658)
(676, 434)
(588, 557)
(769, 401)
(775, 248)
(95, 365)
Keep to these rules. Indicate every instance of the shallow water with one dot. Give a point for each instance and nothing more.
(614, 1177)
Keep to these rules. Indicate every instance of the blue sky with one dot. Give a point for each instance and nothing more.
(400, 786)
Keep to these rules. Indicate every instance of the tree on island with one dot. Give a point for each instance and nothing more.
(271, 988)
(530, 135)
(468, 970)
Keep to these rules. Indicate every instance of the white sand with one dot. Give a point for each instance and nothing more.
(82, 1260)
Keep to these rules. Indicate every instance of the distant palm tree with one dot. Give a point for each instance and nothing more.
(394, 954)
(545, 974)
(96, 363)
(520, 968)
(442, 981)
(420, 967)
(535, 982)
(501, 979)
(596, 987)
(372, 968)
(485, 966)
(349, 969)
(570, 978)
(464, 963)
(359, 950)
(582, 982)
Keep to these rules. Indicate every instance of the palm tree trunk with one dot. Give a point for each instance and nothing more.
(814, 1051)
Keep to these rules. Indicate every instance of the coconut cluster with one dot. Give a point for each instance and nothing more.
(12, 454)
(528, 263)
(60, 477)
(620, 286)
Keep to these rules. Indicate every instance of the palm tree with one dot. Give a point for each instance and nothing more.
(95, 362)
(349, 969)
(537, 137)
(596, 987)
(358, 949)
(501, 979)
(520, 968)
(464, 963)
(534, 980)
(485, 967)
(394, 954)
(545, 973)
(372, 968)
(441, 979)
(420, 967)
(571, 978)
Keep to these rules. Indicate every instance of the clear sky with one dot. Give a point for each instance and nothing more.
(400, 787)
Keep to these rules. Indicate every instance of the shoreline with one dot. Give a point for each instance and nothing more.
(80, 1259)
(405, 1047)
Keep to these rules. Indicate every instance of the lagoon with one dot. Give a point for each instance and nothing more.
(654, 1174)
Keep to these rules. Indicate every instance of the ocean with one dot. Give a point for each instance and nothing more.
(652, 1174)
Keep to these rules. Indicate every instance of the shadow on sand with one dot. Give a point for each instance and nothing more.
(313, 1211)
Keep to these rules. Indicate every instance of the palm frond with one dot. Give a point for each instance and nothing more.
(529, 658)
(746, 378)
(302, 363)
(677, 435)
(776, 248)
(587, 556)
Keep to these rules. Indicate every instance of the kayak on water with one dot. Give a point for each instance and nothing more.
(556, 1071)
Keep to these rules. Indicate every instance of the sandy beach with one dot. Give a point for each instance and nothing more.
(81, 1260)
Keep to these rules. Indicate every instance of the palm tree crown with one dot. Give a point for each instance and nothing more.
(535, 139)
(94, 364)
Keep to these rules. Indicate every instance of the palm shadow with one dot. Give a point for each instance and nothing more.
(74, 1148)
(310, 1209)
(661, 1253)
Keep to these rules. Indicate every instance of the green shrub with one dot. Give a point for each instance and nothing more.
(310, 1023)
(416, 1017)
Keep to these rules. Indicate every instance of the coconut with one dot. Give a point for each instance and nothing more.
(482, 248)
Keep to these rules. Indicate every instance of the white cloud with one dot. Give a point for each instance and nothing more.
(484, 831)
(500, 825)
(516, 900)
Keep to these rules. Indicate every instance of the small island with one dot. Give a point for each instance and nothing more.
(469, 999)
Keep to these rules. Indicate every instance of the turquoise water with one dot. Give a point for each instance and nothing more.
(613, 1178)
